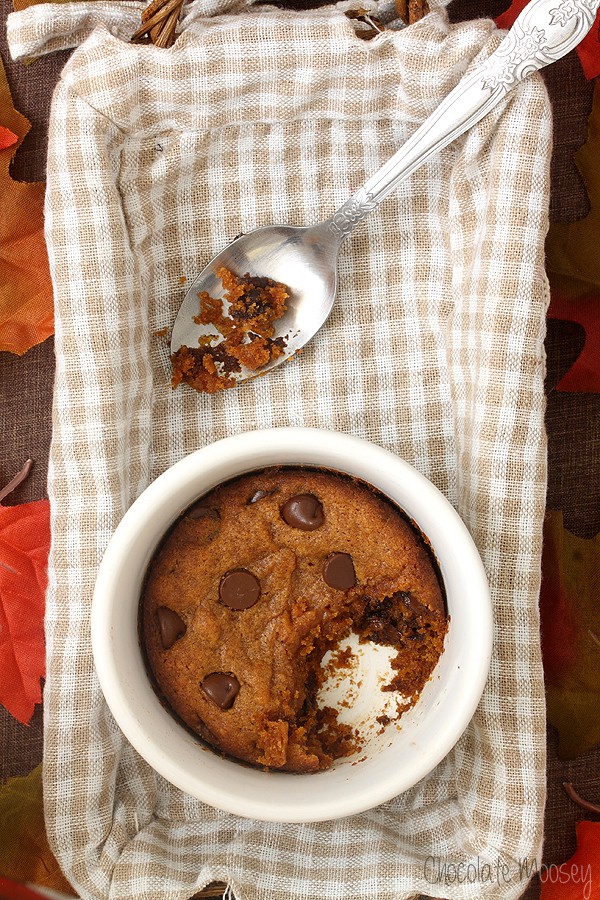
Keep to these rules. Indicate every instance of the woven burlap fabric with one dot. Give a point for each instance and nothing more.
(157, 158)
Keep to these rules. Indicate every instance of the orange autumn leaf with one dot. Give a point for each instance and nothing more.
(24, 545)
(26, 303)
(579, 877)
(25, 855)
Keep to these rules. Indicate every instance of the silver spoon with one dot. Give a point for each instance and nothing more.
(305, 258)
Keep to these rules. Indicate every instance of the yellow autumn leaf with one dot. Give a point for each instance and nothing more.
(570, 621)
(24, 851)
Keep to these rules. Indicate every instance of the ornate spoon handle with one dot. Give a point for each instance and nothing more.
(545, 31)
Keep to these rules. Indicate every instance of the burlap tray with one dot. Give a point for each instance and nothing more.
(435, 350)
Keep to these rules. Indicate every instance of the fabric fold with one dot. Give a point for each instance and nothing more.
(48, 27)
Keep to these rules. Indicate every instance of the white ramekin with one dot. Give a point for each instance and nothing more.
(403, 755)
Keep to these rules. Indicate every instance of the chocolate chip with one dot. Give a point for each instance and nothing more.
(239, 589)
(303, 511)
(258, 495)
(222, 688)
(414, 605)
(338, 571)
(201, 511)
(170, 625)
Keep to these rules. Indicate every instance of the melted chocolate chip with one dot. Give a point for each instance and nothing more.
(239, 589)
(338, 571)
(250, 305)
(222, 688)
(170, 625)
(303, 511)
(220, 356)
(414, 605)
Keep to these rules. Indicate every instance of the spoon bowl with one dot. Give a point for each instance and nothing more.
(305, 258)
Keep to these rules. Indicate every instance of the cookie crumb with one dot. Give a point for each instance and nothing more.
(247, 330)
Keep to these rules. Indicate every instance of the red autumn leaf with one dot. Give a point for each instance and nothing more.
(579, 877)
(14, 890)
(7, 138)
(588, 50)
(24, 544)
(584, 374)
(26, 297)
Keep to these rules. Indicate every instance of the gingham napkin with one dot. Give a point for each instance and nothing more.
(157, 158)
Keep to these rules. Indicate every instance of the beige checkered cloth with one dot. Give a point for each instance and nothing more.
(157, 158)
